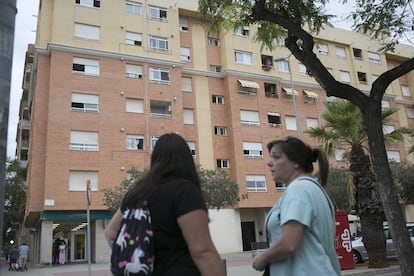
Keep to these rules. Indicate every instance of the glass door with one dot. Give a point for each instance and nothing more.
(78, 246)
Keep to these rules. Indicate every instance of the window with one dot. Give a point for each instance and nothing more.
(215, 68)
(223, 164)
(134, 142)
(243, 57)
(311, 123)
(302, 70)
(247, 87)
(345, 76)
(133, 71)
(183, 25)
(283, 66)
(357, 53)
(291, 123)
(158, 44)
(213, 41)
(85, 66)
(273, 119)
(160, 75)
(85, 102)
(134, 39)
(133, 7)
(405, 91)
(374, 57)
(89, 3)
(89, 32)
(217, 99)
(186, 84)
(270, 90)
(249, 118)
(385, 104)
(157, 13)
(220, 131)
(188, 115)
(387, 129)
(340, 155)
(267, 62)
(323, 49)
(394, 155)
(374, 77)
(78, 180)
(134, 105)
(243, 31)
(309, 97)
(154, 140)
(362, 77)
(410, 113)
(252, 150)
(160, 109)
(185, 54)
(331, 99)
(256, 183)
(83, 140)
(340, 52)
(192, 147)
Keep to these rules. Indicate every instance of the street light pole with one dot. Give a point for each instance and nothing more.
(292, 87)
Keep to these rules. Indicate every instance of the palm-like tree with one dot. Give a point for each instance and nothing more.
(345, 128)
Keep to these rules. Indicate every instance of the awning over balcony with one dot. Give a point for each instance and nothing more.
(249, 84)
(310, 94)
(289, 91)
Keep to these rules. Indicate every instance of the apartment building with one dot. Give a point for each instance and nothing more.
(106, 78)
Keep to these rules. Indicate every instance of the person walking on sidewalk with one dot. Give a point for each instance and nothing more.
(301, 226)
(23, 254)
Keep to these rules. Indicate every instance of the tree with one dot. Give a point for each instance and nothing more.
(15, 200)
(218, 189)
(339, 188)
(290, 18)
(345, 128)
(403, 174)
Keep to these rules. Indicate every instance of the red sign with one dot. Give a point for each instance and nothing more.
(343, 241)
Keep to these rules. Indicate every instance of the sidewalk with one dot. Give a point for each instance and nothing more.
(237, 264)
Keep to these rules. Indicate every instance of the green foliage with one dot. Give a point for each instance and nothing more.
(218, 189)
(403, 175)
(340, 188)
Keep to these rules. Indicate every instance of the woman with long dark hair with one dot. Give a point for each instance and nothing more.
(183, 245)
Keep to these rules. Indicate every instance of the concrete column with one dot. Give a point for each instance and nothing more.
(102, 249)
(46, 242)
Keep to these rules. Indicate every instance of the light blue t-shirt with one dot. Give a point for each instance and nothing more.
(304, 201)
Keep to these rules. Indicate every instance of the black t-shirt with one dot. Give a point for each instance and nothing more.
(174, 199)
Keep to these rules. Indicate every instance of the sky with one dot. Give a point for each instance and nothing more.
(25, 27)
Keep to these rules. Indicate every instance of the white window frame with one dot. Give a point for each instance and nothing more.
(340, 52)
(385, 104)
(223, 164)
(290, 122)
(88, 32)
(159, 75)
(84, 140)
(302, 70)
(86, 66)
(211, 41)
(284, 66)
(134, 105)
(374, 58)
(245, 58)
(187, 84)
(252, 150)
(192, 146)
(159, 44)
(133, 39)
(340, 155)
(78, 180)
(157, 13)
(323, 49)
(215, 68)
(185, 54)
(242, 31)
(220, 130)
(312, 123)
(387, 129)
(345, 76)
(217, 99)
(184, 27)
(249, 118)
(188, 116)
(133, 71)
(410, 112)
(134, 142)
(133, 7)
(394, 155)
(405, 91)
(154, 140)
(257, 183)
(85, 102)
(89, 3)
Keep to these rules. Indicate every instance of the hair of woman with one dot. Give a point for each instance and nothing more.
(303, 155)
(171, 157)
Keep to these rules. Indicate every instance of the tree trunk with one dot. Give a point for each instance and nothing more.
(369, 208)
(387, 191)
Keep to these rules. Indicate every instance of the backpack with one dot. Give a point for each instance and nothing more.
(133, 249)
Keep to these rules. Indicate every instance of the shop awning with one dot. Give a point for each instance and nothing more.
(289, 91)
(249, 84)
(310, 94)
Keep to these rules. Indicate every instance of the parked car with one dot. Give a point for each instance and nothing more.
(360, 253)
